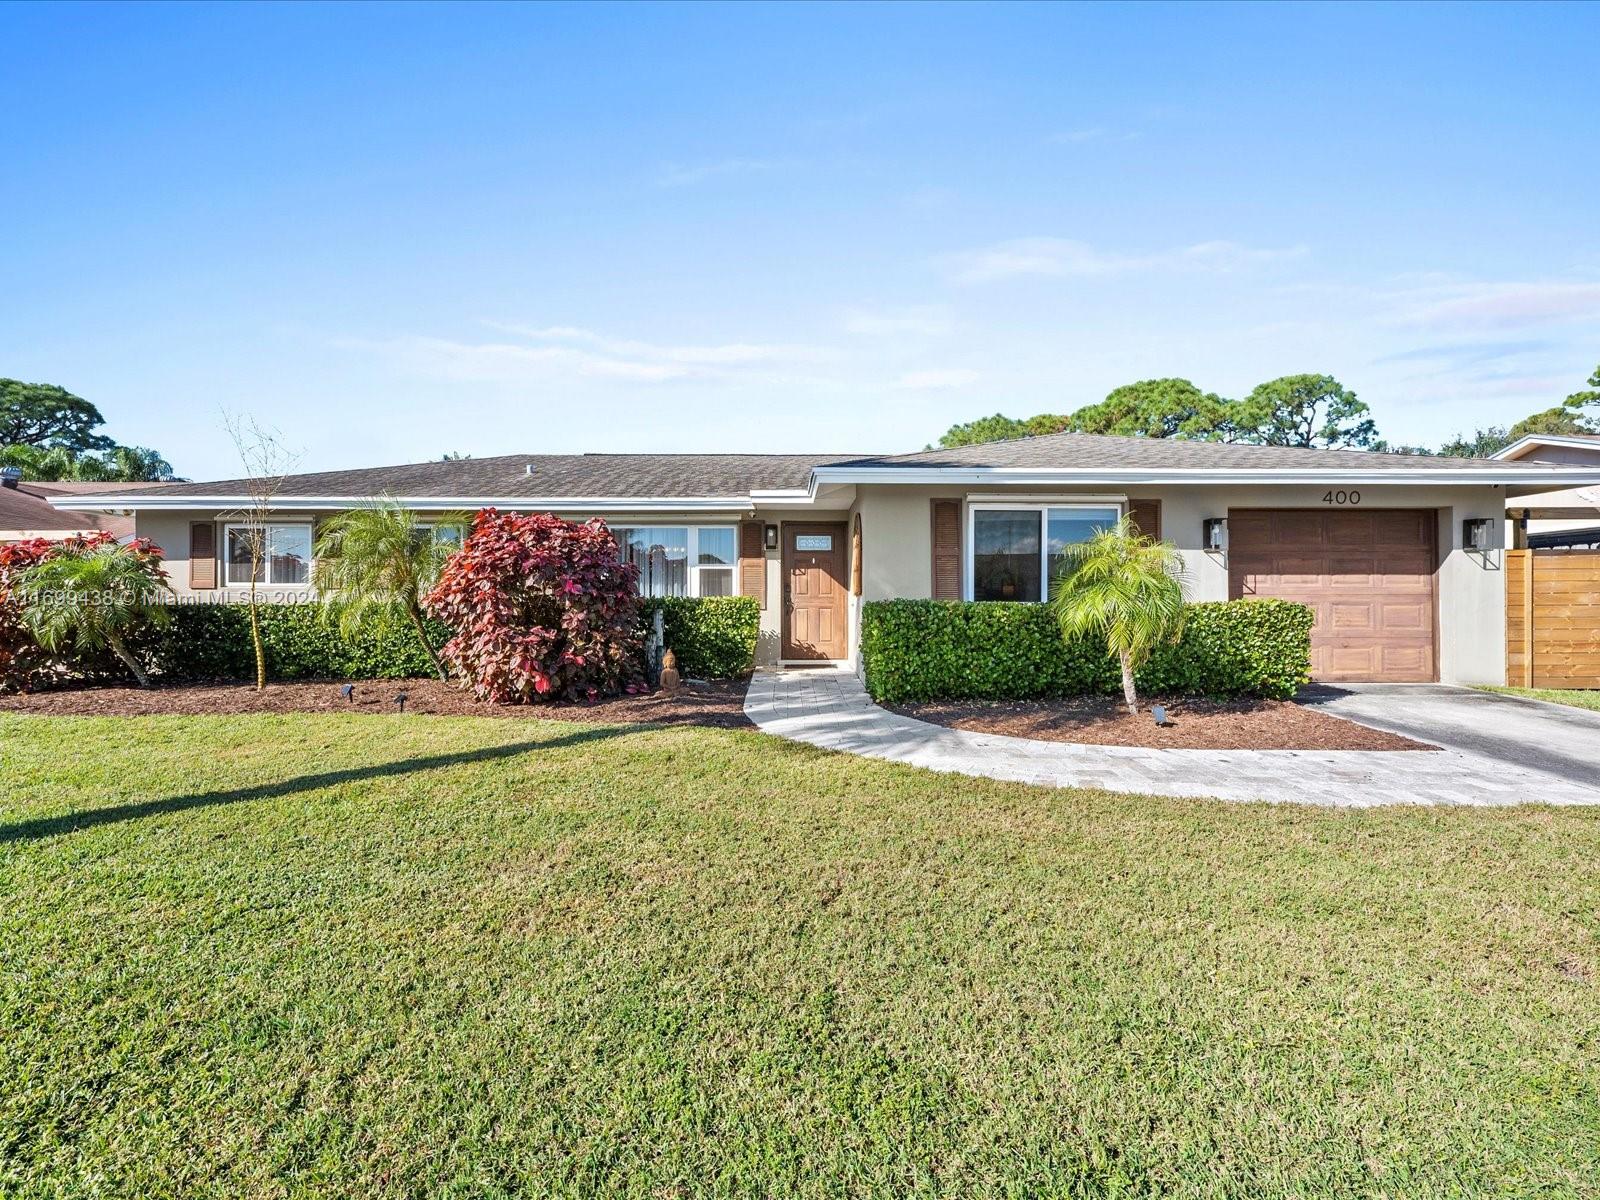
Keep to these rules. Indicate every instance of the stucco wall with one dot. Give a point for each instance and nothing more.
(170, 531)
(897, 536)
(897, 553)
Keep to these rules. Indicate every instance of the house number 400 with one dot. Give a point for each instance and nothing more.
(1342, 498)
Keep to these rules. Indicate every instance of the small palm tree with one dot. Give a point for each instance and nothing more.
(92, 600)
(373, 560)
(1126, 588)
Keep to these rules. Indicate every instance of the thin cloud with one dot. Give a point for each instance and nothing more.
(923, 320)
(1504, 305)
(564, 351)
(1064, 258)
(1465, 353)
(936, 380)
(688, 174)
(727, 354)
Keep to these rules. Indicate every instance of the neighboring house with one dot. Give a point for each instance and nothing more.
(1379, 545)
(1569, 517)
(27, 511)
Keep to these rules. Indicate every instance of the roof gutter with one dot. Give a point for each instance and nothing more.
(419, 503)
(1079, 476)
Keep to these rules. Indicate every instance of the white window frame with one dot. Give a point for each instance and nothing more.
(266, 567)
(1042, 507)
(693, 544)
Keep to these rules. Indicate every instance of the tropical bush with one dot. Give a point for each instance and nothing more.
(93, 600)
(714, 637)
(1125, 589)
(540, 609)
(25, 662)
(375, 563)
(937, 649)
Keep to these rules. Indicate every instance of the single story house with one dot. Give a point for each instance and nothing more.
(1400, 556)
(1569, 517)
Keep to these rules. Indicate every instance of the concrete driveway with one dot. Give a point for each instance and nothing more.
(1497, 750)
(1550, 740)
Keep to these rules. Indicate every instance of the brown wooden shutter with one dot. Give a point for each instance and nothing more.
(752, 562)
(855, 557)
(1146, 514)
(202, 555)
(946, 549)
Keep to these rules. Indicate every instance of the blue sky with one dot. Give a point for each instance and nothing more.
(394, 232)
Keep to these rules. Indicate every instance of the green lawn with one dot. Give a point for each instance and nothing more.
(349, 955)
(1576, 699)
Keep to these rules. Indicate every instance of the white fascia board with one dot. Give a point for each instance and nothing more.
(1514, 450)
(1079, 477)
(784, 497)
(421, 503)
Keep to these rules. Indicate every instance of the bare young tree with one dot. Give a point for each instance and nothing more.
(266, 461)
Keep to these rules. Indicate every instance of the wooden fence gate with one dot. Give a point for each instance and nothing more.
(1553, 618)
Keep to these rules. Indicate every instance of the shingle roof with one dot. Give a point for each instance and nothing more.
(21, 508)
(1066, 450)
(512, 476)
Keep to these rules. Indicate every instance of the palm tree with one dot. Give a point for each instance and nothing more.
(373, 560)
(92, 599)
(1126, 588)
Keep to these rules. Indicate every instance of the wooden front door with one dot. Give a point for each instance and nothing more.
(815, 624)
(1367, 574)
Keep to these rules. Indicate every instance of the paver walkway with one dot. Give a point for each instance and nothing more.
(829, 708)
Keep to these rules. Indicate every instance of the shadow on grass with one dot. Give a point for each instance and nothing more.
(44, 827)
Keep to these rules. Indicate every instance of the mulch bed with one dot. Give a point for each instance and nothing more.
(719, 703)
(1197, 724)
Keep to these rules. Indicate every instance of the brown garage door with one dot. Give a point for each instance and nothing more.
(1368, 575)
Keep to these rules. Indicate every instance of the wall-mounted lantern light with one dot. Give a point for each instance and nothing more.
(770, 537)
(1475, 533)
(1215, 530)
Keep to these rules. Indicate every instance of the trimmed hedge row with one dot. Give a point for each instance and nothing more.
(212, 642)
(917, 650)
(714, 637)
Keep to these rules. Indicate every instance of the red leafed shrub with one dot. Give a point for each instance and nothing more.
(542, 610)
(23, 662)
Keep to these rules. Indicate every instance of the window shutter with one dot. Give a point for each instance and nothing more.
(855, 557)
(1146, 515)
(202, 555)
(752, 562)
(946, 549)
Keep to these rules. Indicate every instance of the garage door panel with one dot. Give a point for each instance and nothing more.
(1409, 528)
(1413, 661)
(1353, 617)
(1349, 529)
(1299, 529)
(1367, 576)
(1407, 568)
(1306, 574)
(1353, 572)
(1249, 575)
(1405, 618)
(1349, 664)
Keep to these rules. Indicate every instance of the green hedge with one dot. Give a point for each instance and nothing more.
(212, 642)
(714, 637)
(935, 649)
